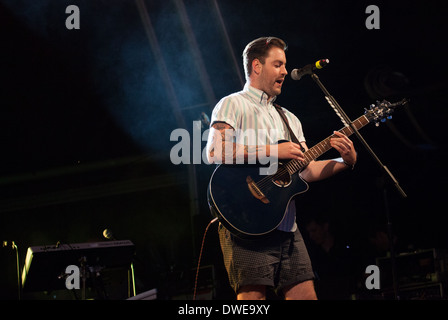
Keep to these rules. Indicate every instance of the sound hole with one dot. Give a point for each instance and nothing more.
(282, 178)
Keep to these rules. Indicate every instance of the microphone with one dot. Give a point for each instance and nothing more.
(107, 233)
(297, 74)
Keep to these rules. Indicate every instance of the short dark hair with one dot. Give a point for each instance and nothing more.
(258, 49)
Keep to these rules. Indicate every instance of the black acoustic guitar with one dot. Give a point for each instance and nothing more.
(250, 204)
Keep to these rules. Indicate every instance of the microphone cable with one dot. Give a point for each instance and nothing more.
(200, 255)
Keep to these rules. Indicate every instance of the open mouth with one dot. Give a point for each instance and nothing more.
(279, 81)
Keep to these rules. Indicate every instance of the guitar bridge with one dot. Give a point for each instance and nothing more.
(256, 192)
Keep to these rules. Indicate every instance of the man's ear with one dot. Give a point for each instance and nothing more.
(256, 66)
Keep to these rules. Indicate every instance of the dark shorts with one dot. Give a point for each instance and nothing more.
(277, 261)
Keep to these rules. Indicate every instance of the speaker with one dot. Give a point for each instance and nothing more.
(433, 291)
(414, 268)
(421, 275)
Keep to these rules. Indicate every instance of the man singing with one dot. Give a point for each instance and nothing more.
(280, 261)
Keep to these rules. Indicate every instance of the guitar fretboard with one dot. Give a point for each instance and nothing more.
(323, 146)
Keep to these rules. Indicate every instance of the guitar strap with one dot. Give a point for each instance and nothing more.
(285, 120)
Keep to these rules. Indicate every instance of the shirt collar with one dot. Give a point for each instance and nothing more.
(258, 95)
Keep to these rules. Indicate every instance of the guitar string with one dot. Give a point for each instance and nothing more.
(297, 165)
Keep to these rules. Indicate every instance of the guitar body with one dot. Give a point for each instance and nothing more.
(231, 200)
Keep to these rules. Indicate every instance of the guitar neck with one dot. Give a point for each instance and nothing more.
(323, 146)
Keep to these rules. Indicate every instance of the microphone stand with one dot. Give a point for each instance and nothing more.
(346, 120)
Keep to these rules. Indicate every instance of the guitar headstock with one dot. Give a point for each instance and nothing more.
(382, 111)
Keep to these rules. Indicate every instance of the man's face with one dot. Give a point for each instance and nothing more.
(273, 72)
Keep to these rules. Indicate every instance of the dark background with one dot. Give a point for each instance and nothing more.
(86, 117)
